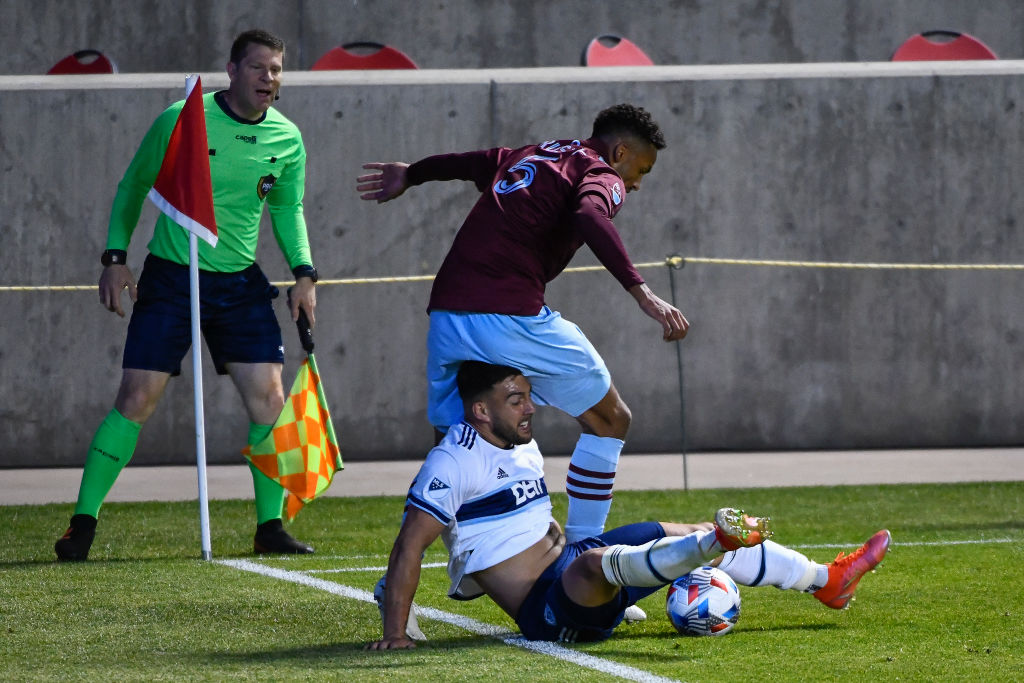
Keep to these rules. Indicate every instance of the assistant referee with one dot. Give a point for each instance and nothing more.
(256, 158)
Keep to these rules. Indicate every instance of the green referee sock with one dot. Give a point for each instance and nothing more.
(268, 494)
(111, 449)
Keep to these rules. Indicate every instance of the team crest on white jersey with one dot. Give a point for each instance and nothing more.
(438, 489)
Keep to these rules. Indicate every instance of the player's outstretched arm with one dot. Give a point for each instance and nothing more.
(674, 326)
(116, 278)
(418, 531)
(387, 183)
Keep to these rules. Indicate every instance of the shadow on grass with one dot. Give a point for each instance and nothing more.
(608, 648)
(169, 556)
(357, 657)
(351, 650)
(672, 635)
(110, 561)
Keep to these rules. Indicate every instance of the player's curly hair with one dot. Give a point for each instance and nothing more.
(258, 36)
(476, 378)
(628, 119)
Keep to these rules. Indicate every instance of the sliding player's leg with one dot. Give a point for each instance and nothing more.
(583, 595)
(771, 564)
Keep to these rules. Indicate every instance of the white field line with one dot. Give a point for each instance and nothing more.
(550, 649)
(980, 541)
(505, 636)
(346, 558)
(803, 546)
(425, 565)
(286, 558)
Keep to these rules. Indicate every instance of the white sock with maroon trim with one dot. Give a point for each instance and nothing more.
(589, 485)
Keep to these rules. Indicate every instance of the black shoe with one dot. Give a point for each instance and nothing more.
(74, 545)
(272, 538)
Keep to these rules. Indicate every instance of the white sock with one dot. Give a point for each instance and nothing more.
(771, 564)
(589, 485)
(658, 562)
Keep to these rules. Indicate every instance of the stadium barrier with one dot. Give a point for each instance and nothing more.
(906, 172)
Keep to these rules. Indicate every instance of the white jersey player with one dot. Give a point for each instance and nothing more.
(493, 502)
(482, 490)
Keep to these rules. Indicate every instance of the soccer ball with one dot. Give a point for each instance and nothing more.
(704, 602)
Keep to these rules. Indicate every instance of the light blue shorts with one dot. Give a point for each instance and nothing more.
(563, 367)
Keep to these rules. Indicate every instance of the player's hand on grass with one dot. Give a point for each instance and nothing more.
(674, 326)
(387, 183)
(116, 278)
(402, 643)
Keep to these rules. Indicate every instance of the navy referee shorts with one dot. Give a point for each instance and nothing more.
(236, 318)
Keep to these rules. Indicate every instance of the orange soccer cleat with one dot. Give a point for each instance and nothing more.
(736, 529)
(845, 572)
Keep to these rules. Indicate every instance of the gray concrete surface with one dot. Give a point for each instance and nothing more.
(636, 472)
(187, 35)
(857, 163)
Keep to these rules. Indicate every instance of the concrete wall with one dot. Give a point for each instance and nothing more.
(194, 35)
(859, 163)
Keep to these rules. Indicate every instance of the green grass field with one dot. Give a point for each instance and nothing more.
(947, 604)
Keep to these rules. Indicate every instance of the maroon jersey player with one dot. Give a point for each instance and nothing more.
(538, 205)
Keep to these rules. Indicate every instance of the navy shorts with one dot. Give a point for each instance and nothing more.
(547, 613)
(236, 318)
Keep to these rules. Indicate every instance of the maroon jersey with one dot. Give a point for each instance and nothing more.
(539, 204)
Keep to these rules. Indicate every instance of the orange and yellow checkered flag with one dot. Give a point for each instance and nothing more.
(301, 452)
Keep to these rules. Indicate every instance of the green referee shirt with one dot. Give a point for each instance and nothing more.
(251, 163)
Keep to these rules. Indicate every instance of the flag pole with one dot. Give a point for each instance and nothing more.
(183, 192)
(197, 377)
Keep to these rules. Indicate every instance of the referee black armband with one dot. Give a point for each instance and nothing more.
(112, 256)
(305, 271)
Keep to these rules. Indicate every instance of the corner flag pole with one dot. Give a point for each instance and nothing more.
(183, 191)
(197, 379)
(197, 375)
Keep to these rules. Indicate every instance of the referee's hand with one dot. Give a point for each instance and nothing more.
(115, 279)
(303, 296)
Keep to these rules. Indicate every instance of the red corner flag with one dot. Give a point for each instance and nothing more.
(183, 189)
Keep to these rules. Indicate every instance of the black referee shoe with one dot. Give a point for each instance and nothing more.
(74, 545)
(271, 538)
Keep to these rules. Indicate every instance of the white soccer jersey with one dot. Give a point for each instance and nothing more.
(493, 501)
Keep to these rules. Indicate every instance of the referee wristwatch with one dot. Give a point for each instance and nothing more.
(305, 271)
(112, 256)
